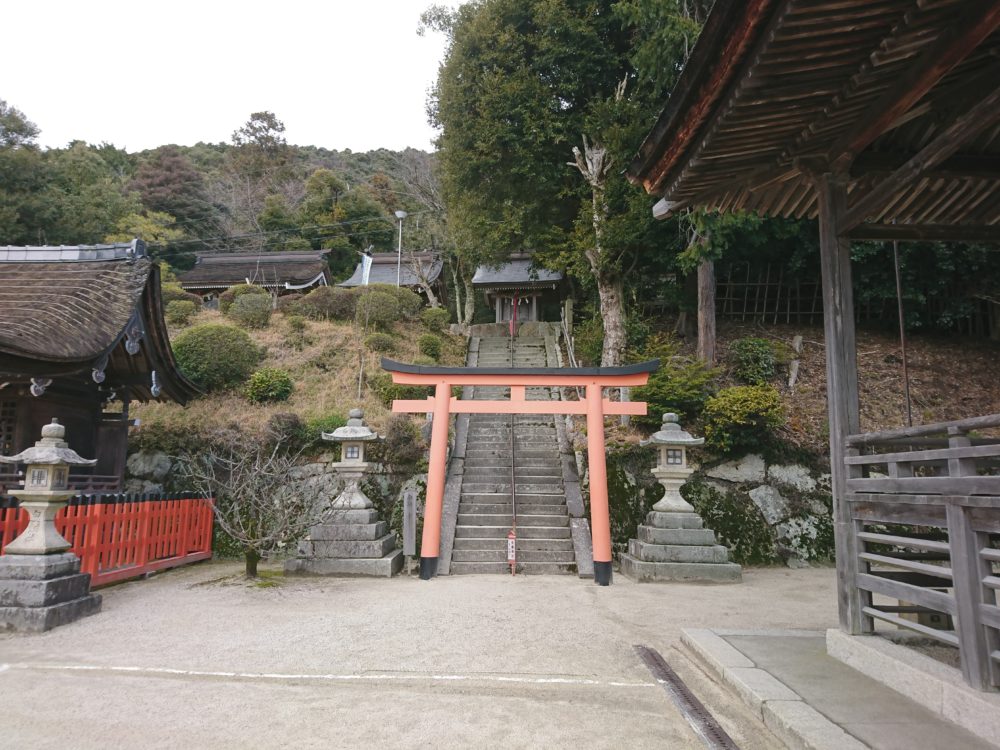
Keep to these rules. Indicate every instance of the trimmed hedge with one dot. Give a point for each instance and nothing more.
(435, 319)
(228, 297)
(430, 346)
(328, 303)
(381, 342)
(742, 418)
(269, 384)
(171, 291)
(251, 310)
(178, 312)
(216, 356)
(378, 310)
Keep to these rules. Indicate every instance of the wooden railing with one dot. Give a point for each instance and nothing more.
(925, 513)
(118, 537)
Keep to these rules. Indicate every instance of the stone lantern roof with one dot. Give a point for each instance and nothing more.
(354, 431)
(670, 433)
(51, 449)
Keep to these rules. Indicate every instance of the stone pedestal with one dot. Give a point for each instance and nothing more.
(349, 542)
(40, 592)
(675, 546)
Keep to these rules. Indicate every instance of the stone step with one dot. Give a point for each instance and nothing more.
(676, 553)
(499, 519)
(500, 555)
(500, 532)
(501, 497)
(523, 568)
(481, 462)
(487, 476)
(652, 535)
(533, 488)
(520, 472)
(552, 509)
(477, 453)
(523, 543)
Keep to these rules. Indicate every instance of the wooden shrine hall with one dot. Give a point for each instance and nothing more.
(881, 119)
(594, 406)
(81, 336)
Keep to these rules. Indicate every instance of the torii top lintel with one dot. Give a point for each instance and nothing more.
(519, 378)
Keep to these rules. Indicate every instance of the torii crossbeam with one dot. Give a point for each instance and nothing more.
(595, 406)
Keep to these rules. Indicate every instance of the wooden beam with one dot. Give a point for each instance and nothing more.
(956, 42)
(962, 129)
(978, 233)
(979, 166)
(841, 386)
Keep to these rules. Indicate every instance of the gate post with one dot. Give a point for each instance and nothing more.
(431, 541)
(600, 519)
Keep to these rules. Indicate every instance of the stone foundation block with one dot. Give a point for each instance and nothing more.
(38, 567)
(354, 515)
(650, 572)
(676, 553)
(652, 535)
(40, 619)
(674, 520)
(333, 532)
(29, 593)
(386, 566)
(355, 548)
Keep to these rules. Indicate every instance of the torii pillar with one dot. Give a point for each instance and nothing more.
(594, 406)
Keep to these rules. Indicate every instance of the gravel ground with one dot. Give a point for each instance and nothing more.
(197, 657)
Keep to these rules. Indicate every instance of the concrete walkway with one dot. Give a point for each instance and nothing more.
(812, 700)
(198, 658)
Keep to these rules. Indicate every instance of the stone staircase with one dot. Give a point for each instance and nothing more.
(485, 512)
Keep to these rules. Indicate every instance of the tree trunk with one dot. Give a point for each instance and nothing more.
(458, 293)
(609, 290)
(706, 312)
(252, 558)
(432, 299)
(470, 302)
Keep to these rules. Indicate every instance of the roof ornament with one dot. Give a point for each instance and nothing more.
(97, 373)
(134, 334)
(154, 387)
(38, 386)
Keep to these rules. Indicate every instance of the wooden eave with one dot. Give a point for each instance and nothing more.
(897, 98)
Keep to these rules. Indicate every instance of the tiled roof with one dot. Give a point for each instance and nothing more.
(518, 272)
(64, 310)
(270, 269)
(383, 270)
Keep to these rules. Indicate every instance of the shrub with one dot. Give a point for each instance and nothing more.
(430, 346)
(172, 292)
(228, 297)
(296, 323)
(179, 311)
(380, 342)
(289, 303)
(377, 309)
(681, 384)
(328, 303)
(753, 360)
(286, 429)
(387, 391)
(216, 356)
(409, 302)
(435, 318)
(326, 423)
(268, 384)
(742, 418)
(251, 310)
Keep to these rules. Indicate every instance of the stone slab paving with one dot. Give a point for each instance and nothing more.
(196, 657)
(811, 700)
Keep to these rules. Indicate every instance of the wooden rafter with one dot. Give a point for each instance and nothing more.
(955, 44)
(959, 131)
(978, 233)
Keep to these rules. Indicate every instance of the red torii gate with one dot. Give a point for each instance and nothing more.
(595, 406)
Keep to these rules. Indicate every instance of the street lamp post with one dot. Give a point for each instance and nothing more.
(399, 252)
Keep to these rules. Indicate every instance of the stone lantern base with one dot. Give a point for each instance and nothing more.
(348, 542)
(41, 592)
(675, 546)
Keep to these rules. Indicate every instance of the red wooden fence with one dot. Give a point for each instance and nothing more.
(124, 536)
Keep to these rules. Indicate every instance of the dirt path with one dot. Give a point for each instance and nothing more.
(197, 658)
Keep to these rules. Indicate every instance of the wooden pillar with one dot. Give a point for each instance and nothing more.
(706, 311)
(498, 304)
(841, 384)
(430, 543)
(600, 517)
(534, 307)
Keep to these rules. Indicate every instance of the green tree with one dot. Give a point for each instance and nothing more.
(527, 86)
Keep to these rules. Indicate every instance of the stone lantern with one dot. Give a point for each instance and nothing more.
(40, 581)
(672, 469)
(673, 544)
(350, 539)
(353, 438)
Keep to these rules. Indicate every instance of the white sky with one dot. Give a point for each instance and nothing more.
(340, 74)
